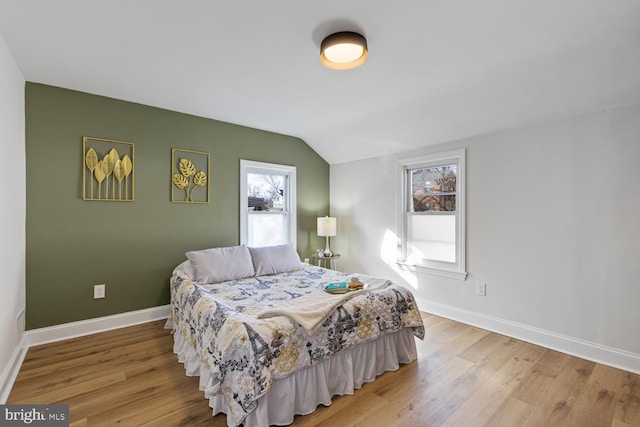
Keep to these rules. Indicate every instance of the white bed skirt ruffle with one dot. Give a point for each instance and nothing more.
(301, 392)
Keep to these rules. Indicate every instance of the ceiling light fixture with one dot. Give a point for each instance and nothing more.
(343, 51)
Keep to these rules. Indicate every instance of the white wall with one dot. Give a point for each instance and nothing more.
(12, 209)
(553, 228)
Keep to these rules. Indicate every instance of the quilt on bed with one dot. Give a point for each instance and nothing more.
(245, 354)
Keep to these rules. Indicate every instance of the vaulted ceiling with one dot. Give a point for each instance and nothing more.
(438, 70)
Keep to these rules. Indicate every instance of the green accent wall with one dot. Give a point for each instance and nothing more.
(133, 247)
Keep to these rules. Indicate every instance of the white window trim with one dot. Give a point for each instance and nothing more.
(248, 166)
(455, 270)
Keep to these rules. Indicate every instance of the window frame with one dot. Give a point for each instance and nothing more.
(250, 166)
(456, 270)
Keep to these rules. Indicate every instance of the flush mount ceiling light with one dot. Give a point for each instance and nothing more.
(343, 51)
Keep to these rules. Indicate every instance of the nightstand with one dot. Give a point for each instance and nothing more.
(326, 261)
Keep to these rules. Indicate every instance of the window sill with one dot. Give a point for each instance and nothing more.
(459, 275)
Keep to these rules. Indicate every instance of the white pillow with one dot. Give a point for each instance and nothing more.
(221, 264)
(275, 259)
(185, 269)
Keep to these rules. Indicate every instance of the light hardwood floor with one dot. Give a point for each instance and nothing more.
(464, 376)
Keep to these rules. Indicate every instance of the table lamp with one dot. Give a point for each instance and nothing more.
(327, 228)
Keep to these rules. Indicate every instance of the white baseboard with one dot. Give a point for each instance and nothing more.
(11, 370)
(93, 326)
(574, 346)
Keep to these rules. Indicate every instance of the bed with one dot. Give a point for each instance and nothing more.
(268, 342)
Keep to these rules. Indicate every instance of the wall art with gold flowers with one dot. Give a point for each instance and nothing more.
(189, 176)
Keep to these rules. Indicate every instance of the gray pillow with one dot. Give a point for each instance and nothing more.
(275, 259)
(221, 264)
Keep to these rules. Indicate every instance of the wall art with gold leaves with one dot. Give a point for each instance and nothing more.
(189, 176)
(108, 168)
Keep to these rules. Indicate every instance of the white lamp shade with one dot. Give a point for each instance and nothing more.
(326, 226)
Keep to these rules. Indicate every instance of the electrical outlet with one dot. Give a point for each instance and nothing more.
(99, 291)
(306, 260)
(481, 289)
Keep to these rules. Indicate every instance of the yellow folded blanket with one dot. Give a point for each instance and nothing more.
(312, 309)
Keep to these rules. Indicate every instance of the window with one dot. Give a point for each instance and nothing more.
(432, 220)
(267, 204)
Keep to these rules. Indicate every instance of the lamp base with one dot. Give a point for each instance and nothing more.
(327, 249)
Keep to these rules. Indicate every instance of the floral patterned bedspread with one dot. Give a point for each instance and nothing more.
(245, 354)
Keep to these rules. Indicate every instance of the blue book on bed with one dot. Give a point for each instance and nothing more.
(337, 287)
